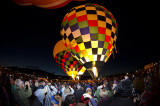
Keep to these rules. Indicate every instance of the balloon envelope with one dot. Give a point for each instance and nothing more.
(66, 61)
(47, 4)
(92, 31)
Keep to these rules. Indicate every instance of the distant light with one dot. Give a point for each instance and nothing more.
(127, 73)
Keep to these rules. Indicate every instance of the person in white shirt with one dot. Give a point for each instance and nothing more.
(66, 91)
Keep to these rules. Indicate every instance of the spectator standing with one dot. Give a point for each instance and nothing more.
(3, 94)
(66, 91)
(79, 93)
(123, 94)
(24, 92)
(70, 100)
(148, 83)
(51, 90)
(97, 92)
(87, 100)
(40, 97)
(91, 99)
(145, 99)
(125, 88)
(138, 85)
(104, 97)
(59, 86)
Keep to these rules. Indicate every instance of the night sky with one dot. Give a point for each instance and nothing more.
(28, 35)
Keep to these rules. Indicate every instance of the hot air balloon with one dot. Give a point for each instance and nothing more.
(66, 61)
(23, 2)
(47, 4)
(89, 32)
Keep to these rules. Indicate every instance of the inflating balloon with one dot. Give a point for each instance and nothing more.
(89, 32)
(47, 4)
(66, 61)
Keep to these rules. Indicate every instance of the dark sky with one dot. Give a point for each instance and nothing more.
(28, 35)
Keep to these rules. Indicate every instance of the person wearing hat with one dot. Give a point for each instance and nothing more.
(79, 93)
(87, 86)
(86, 100)
(56, 100)
(66, 91)
(91, 101)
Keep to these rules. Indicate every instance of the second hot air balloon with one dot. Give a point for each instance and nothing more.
(66, 61)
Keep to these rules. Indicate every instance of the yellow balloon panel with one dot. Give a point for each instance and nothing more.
(83, 69)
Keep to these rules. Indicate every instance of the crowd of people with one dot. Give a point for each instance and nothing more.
(128, 90)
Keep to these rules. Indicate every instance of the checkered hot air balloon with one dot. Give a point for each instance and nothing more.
(90, 33)
(71, 66)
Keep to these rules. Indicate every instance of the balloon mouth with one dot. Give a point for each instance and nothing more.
(94, 67)
(72, 74)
